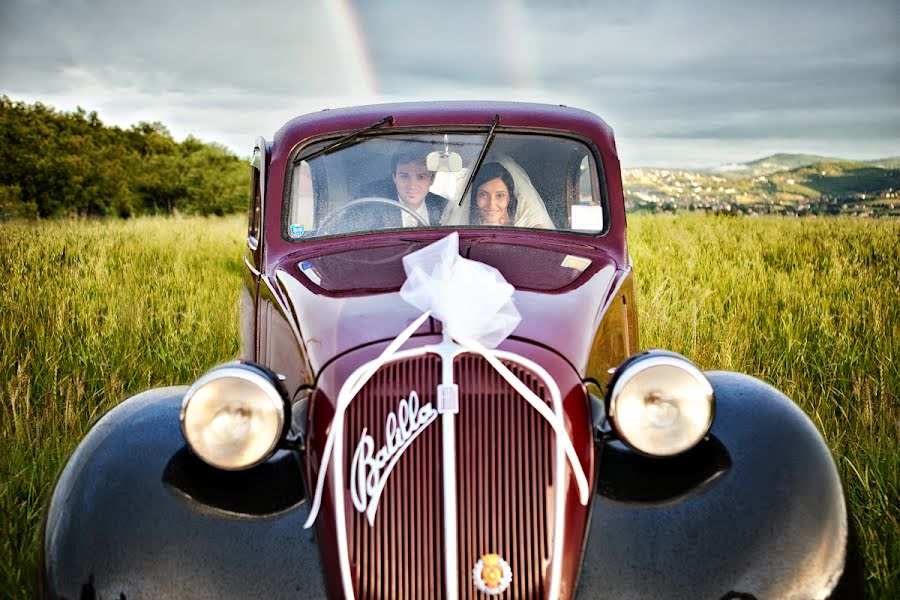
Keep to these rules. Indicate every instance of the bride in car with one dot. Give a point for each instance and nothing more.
(525, 208)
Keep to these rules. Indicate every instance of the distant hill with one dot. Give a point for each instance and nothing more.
(885, 163)
(841, 179)
(785, 162)
(793, 184)
(771, 164)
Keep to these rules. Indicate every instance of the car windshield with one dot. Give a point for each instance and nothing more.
(389, 181)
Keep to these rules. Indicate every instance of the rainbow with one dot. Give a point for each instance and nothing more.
(352, 49)
(519, 60)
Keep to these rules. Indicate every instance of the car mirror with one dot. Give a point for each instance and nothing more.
(446, 162)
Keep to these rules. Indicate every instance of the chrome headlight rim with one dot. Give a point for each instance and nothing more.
(641, 362)
(252, 373)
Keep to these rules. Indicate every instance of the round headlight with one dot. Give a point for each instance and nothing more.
(660, 403)
(233, 416)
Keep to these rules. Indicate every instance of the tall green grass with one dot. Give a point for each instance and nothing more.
(91, 312)
(810, 306)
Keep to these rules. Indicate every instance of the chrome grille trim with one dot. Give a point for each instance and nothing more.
(538, 573)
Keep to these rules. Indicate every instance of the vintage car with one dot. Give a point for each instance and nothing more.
(441, 394)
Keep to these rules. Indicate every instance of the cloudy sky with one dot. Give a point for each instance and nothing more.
(690, 83)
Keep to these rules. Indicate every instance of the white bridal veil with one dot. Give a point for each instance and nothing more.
(530, 212)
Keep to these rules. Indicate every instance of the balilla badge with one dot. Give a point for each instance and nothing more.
(369, 469)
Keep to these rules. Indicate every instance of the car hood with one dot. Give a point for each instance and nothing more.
(345, 299)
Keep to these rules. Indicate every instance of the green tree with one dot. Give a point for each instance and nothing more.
(58, 164)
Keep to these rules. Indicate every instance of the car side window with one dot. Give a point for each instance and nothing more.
(587, 211)
(304, 202)
(255, 215)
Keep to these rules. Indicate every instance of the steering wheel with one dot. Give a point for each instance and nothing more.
(327, 220)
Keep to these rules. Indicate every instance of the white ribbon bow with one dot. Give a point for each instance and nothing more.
(474, 303)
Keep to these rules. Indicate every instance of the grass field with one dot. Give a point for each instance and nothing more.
(91, 312)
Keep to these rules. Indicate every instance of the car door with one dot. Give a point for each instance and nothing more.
(253, 254)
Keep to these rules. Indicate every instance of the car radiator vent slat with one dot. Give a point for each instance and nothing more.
(504, 471)
(504, 478)
(401, 555)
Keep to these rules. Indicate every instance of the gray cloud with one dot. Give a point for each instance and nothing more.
(174, 46)
(727, 76)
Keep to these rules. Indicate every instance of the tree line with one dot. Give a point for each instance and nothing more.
(57, 164)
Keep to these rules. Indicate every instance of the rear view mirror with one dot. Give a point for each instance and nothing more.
(446, 162)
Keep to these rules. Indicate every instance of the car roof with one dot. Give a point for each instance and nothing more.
(458, 113)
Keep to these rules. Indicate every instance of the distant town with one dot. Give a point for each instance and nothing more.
(784, 184)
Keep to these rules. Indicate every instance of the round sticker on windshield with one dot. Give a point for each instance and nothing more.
(297, 230)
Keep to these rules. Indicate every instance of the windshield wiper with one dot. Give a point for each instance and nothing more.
(350, 137)
(484, 149)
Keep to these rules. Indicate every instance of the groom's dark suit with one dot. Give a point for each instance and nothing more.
(385, 217)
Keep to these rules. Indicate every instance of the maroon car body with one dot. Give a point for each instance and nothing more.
(713, 521)
(561, 316)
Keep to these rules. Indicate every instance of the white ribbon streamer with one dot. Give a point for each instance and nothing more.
(539, 405)
(348, 391)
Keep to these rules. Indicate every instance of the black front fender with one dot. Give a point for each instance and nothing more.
(762, 513)
(134, 513)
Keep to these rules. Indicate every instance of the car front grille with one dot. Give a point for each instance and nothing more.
(504, 479)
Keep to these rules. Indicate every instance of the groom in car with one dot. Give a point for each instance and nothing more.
(408, 185)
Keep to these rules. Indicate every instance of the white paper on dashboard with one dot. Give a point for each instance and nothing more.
(587, 218)
(579, 263)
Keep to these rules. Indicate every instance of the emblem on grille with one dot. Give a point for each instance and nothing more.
(369, 468)
(491, 574)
